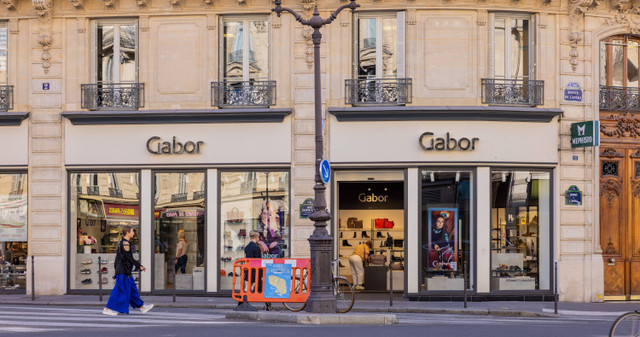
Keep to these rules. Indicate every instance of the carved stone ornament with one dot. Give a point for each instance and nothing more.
(43, 9)
(627, 17)
(142, 3)
(610, 189)
(628, 125)
(11, 4)
(308, 6)
(175, 3)
(242, 2)
(577, 8)
(611, 153)
(611, 249)
(109, 4)
(208, 2)
(77, 4)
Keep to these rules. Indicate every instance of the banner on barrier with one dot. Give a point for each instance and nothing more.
(278, 280)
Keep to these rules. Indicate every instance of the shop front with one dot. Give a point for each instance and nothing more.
(190, 197)
(14, 226)
(447, 202)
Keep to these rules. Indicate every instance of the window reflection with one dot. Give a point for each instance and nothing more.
(179, 230)
(3, 54)
(101, 204)
(121, 39)
(13, 232)
(377, 58)
(253, 201)
(245, 50)
(511, 48)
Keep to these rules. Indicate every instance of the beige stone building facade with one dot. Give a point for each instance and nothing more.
(446, 123)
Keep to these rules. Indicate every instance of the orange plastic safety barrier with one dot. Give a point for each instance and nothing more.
(248, 280)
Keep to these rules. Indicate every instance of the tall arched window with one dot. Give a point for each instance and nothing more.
(619, 83)
(619, 61)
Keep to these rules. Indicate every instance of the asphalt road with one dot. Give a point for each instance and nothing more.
(88, 321)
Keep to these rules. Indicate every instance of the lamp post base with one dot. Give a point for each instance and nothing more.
(321, 299)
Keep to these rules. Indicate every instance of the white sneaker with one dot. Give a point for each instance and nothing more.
(145, 308)
(107, 311)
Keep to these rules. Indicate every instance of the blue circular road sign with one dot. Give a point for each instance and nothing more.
(325, 171)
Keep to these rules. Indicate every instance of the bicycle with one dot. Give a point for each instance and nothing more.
(626, 325)
(342, 290)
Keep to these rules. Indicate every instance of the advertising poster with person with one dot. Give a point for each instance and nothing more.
(13, 218)
(443, 239)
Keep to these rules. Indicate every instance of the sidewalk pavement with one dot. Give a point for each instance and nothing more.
(365, 303)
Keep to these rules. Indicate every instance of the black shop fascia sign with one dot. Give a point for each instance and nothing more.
(371, 195)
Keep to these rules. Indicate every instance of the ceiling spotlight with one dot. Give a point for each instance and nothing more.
(457, 176)
(504, 177)
(432, 177)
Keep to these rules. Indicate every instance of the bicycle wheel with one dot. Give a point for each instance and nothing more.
(344, 295)
(297, 306)
(626, 325)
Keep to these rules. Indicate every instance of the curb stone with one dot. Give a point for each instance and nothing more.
(310, 318)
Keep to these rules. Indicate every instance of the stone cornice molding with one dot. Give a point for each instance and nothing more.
(43, 9)
(577, 9)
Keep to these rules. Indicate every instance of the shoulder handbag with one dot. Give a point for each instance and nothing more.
(377, 259)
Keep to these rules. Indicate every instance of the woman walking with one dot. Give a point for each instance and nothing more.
(125, 292)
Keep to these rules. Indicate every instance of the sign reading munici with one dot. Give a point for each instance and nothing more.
(585, 134)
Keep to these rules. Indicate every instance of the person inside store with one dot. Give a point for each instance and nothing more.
(269, 234)
(125, 291)
(356, 261)
(253, 251)
(442, 252)
(181, 253)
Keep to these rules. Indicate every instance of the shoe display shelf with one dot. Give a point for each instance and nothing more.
(13, 277)
(235, 238)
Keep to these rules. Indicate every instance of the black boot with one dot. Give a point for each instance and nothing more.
(354, 235)
(364, 235)
(345, 243)
(340, 263)
(379, 235)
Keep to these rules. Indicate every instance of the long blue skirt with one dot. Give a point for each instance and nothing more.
(124, 293)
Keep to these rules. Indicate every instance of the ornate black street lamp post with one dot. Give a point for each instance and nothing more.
(321, 298)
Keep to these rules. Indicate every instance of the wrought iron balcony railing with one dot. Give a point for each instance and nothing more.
(178, 197)
(243, 93)
(112, 96)
(6, 97)
(93, 190)
(619, 98)
(115, 192)
(198, 195)
(378, 91)
(498, 91)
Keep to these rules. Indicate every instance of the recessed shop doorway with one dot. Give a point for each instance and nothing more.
(370, 221)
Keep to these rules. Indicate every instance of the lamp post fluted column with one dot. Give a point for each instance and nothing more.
(321, 298)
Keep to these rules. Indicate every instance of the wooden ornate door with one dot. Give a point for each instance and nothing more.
(620, 221)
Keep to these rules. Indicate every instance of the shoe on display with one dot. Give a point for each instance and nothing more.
(103, 260)
(365, 235)
(145, 308)
(114, 231)
(340, 264)
(341, 235)
(268, 307)
(85, 271)
(358, 287)
(87, 261)
(86, 281)
(379, 235)
(345, 243)
(103, 270)
(104, 280)
(354, 235)
(109, 312)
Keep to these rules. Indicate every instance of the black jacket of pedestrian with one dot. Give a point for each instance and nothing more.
(124, 259)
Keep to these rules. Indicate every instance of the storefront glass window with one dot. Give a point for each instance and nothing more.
(253, 201)
(520, 230)
(101, 204)
(13, 231)
(179, 230)
(446, 229)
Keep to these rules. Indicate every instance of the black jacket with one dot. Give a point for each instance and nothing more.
(124, 259)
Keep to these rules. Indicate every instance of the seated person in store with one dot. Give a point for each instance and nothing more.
(181, 253)
(269, 234)
(441, 243)
(356, 261)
